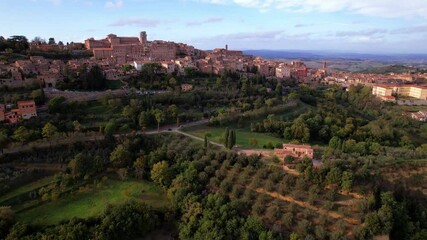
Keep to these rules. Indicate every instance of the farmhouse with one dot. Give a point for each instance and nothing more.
(294, 150)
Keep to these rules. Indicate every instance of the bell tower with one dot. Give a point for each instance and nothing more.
(143, 38)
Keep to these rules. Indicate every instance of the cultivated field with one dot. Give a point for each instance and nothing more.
(92, 200)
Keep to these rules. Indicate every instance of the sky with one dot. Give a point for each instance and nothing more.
(356, 26)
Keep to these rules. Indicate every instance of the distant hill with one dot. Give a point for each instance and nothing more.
(272, 54)
(387, 69)
(352, 62)
(318, 55)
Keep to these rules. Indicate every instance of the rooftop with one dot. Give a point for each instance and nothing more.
(297, 146)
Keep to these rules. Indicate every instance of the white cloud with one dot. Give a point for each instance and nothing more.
(411, 30)
(369, 32)
(136, 21)
(56, 2)
(381, 8)
(206, 21)
(116, 4)
(263, 36)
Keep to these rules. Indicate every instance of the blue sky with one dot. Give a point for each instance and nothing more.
(367, 26)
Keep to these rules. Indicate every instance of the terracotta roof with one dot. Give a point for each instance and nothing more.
(297, 146)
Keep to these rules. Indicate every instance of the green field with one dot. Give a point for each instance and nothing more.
(243, 136)
(114, 84)
(97, 114)
(96, 107)
(92, 202)
(27, 188)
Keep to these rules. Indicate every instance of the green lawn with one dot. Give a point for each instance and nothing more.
(26, 188)
(243, 136)
(93, 202)
(98, 115)
(114, 84)
(96, 107)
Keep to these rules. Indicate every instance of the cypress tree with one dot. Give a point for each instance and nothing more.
(230, 140)
(226, 136)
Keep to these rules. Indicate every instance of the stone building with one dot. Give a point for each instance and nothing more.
(129, 49)
(283, 71)
(294, 150)
(385, 90)
(25, 110)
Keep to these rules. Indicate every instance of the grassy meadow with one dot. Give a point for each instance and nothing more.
(243, 136)
(90, 202)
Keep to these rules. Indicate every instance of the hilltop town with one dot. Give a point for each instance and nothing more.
(113, 52)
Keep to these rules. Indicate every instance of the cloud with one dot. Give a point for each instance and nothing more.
(363, 36)
(410, 30)
(370, 32)
(379, 8)
(56, 2)
(265, 35)
(273, 35)
(136, 21)
(303, 25)
(116, 4)
(209, 20)
(357, 22)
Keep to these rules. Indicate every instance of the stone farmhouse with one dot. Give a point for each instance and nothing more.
(294, 150)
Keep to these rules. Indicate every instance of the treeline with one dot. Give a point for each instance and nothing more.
(83, 79)
(63, 55)
(16, 44)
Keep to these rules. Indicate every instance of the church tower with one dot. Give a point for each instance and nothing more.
(143, 38)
